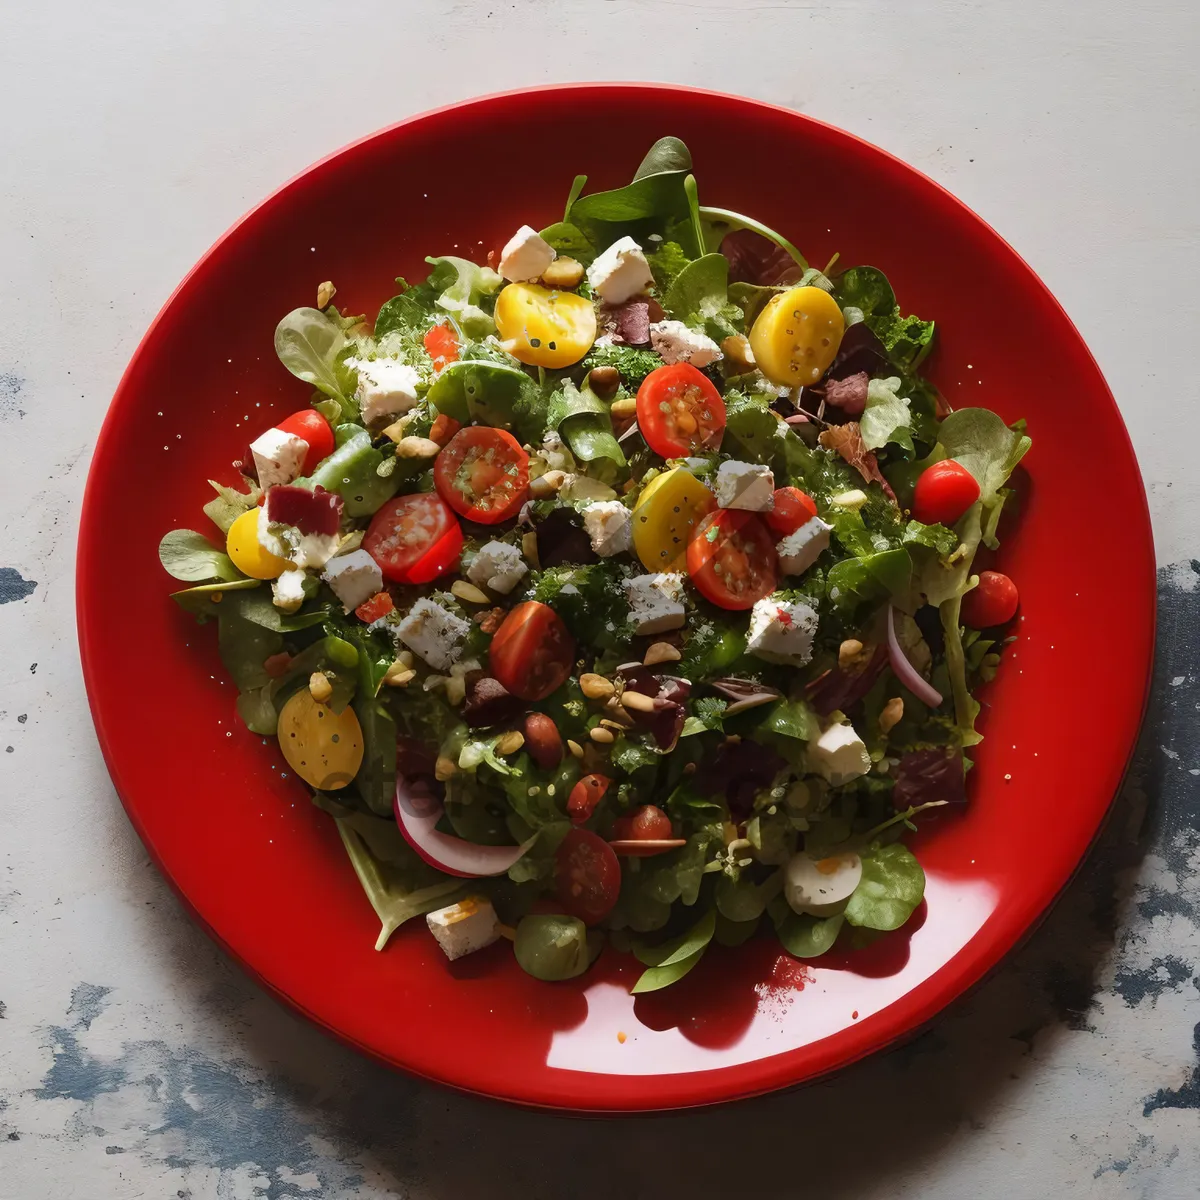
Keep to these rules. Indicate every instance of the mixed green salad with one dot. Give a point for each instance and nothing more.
(620, 585)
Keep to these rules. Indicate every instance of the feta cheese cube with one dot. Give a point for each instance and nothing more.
(674, 342)
(386, 388)
(656, 602)
(278, 457)
(287, 592)
(300, 549)
(800, 549)
(498, 566)
(354, 577)
(465, 927)
(433, 633)
(525, 255)
(839, 754)
(745, 485)
(620, 272)
(782, 632)
(610, 526)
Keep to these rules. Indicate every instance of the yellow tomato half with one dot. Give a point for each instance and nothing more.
(796, 336)
(242, 545)
(544, 328)
(666, 512)
(323, 747)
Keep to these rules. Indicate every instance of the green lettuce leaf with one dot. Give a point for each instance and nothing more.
(487, 393)
(230, 504)
(673, 959)
(891, 887)
(463, 288)
(699, 297)
(190, 556)
(308, 342)
(886, 417)
(583, 421)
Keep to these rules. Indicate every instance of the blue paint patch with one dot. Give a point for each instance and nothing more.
(14, 586)
(1164, 974)
(88, 1001)
(1185, 1096)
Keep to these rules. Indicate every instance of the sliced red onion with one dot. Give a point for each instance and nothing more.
(417, 814)
(905, 671)
(645, 847)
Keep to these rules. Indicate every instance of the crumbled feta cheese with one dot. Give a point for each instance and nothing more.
(287, 592)
(610, 526)
(839, 754)
(498, 566)
(354, 577)
(655, 602)
(620, 272)
(557, 454)
(675, 342)
(525, 255)
(800, 549)
(745, 485)
(278, 457)
(300, 549)
(782, 632)
(465, 927)
(386, 388)
(433, 633)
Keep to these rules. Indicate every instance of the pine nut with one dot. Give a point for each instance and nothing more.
(661, 652)
(892, 712)
(468, 592)
(510, 742)
(546, 485)
(319, 687)
(604, 737)
(444, 768)
(595, 687)
(625, 407)
(399, 675)
(575, 748)
(417, 447)
(637, 702)
(848, 651)
(325, 293)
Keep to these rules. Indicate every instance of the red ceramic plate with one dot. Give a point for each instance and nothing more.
(265, 872)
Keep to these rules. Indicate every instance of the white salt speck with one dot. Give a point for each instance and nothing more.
(1007, 777)
(1173, 755)
(1177, 680)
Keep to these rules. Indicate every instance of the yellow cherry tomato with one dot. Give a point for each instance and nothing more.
(545, 328)
(242, 545)
(667, 510)
(323, 747)
(797, 335)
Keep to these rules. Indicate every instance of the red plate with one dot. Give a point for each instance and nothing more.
(265, 872)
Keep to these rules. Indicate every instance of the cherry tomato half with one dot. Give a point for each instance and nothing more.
(648, 824)
(587, 875)
(532, 652)
(993, 601)
(792, 509)
(378, 606)
(441, 345)
(414, 538)
(943, 493)
(680, 411)
(731, 558)
(443, 429)
(315, 430)
(483, 474)
(585, 795)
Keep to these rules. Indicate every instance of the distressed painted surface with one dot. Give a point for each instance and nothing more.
(135, 1061)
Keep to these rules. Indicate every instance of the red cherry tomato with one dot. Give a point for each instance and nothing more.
(414, 538)
(585, 795)
(943, 493)
(680, 411)
(731, 558)
(443, 429)
(587, 875)
(371, 610)
(315, 430)
(532, 652)
(792, 509)
(441, 345)
(993, 601)
(648, 824)
(483, 474)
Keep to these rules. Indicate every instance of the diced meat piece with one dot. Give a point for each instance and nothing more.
(318, 511)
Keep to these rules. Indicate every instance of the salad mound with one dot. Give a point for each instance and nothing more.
(623, 585)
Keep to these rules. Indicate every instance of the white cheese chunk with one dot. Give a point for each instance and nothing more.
(620, 272)
(800, 549)
(674, 342)
(525, 256)
(354, 577)
(610, 526)
(745, 485)
(386, 388)
(782, 632)
(278, 457)
(433, 633)
(498, 566)
(656, 602)
(300, 549)
(839, 754)
(287, 592)
(465, 927)
(820, 887)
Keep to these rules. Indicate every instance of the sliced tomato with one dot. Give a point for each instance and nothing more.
(648, 823)
(680, 411)
(443, 429)
(587, 876)
(378, 606)
(441, 345)
(414, 538)
(532, 653)
(585, 795)
(792, 508)
(483, 474)
(315, 430)
(731, 558)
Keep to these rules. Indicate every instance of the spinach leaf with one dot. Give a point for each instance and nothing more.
(933, 537)
(256, 710)
(667, 154)
(734, 933)
(201, 601)
(699, 297)
(485, 392)
(752, 298)
(666, 264)
(463, 288)
(230, 504)
(582, 419)
(570, 240)
(805, 936)
(190, 556)
(892, 886)
(308, 343)
(244, 647)
(979, 440)
(750, 428)
(906, 339)
(872, 577)
(673, 959)
(376, 778)
(733, 220)
(655, 195)
(408, 312)
(886, 417)
(794, 719)
(551, 947)
(634, 364)
(742, 899)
